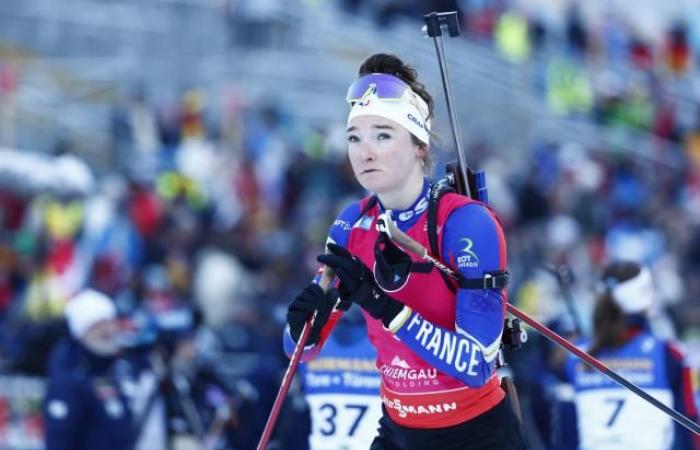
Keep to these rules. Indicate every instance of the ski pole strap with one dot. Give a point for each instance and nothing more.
(422, 267)
(490, 280)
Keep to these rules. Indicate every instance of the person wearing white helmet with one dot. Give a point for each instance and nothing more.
(84, 406)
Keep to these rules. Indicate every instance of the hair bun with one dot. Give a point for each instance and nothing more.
(389, 64)
(393, 65)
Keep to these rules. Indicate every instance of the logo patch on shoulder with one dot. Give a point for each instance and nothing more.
(365, 222)
(342, 224)
(466, 258)
(58, 409)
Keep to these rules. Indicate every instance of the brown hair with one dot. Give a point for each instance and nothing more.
(609, 323)
(393, 65)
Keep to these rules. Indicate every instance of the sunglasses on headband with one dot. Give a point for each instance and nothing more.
(384, 86)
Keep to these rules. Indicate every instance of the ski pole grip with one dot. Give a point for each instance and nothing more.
(326, 278)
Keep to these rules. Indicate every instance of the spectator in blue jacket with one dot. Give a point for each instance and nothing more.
(85, 407)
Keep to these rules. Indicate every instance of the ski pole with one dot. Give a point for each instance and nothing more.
(325, 283)
(407, 242)
(564, 276)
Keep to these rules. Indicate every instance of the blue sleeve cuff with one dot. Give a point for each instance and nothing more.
(309, 353)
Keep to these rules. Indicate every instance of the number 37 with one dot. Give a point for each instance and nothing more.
(330, 411)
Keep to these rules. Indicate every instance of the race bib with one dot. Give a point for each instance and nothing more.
(615, 418)
(343, 421)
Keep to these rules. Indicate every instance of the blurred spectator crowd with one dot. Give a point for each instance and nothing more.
(222, 224)
(216, 208)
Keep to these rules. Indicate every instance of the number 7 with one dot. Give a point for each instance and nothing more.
(362, 409)
(618, 406)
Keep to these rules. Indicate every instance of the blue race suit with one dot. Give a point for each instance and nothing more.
(84, 408)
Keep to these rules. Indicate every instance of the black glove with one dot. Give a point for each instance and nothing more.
(311, 299)
(357, 284)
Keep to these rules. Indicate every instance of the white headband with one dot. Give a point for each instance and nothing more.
(410, 111)
(636, 294)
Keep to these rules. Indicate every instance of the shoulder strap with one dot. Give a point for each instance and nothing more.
(491, 280)
(369, 204)
(436, 192)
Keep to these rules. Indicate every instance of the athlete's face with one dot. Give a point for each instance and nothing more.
(383, 156)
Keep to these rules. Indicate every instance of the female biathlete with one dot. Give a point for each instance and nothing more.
(608, 415)
(436, 340)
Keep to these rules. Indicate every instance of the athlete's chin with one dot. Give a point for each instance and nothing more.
(373, 182)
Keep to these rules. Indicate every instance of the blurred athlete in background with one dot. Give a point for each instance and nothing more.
(608, 415)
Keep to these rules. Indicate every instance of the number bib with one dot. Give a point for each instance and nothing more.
(343, 421)
(615, 418)
(611, 417)
(342, 391)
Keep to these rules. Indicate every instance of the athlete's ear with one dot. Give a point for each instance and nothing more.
(422, 152)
